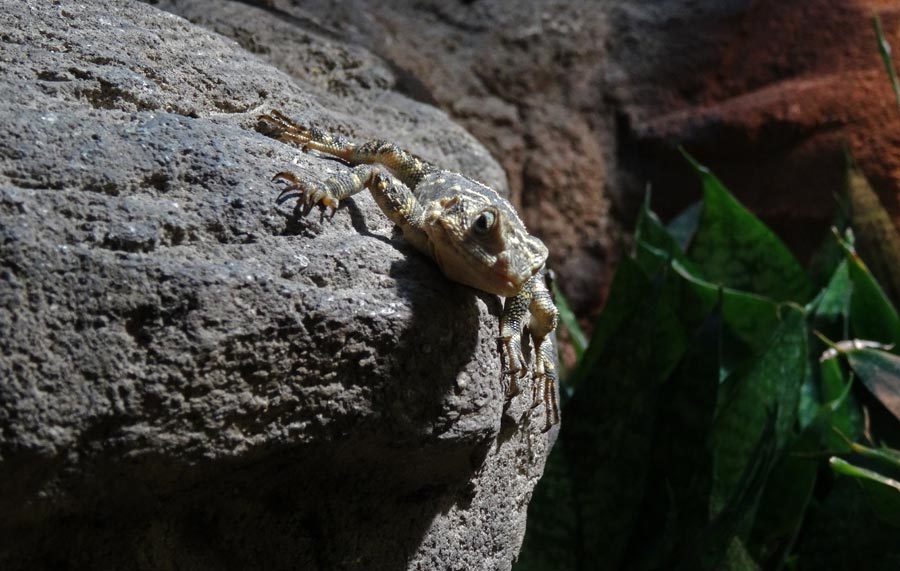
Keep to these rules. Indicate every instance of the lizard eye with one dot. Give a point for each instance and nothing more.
(485, 222)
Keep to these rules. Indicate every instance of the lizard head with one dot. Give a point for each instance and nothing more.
(478, 240)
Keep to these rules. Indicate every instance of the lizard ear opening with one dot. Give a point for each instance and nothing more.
(448, 202)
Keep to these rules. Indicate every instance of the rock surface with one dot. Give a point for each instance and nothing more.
(190, 378)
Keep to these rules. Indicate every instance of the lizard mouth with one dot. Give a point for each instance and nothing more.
(512, 280)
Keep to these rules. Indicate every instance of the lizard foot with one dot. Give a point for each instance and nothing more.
(514, 365)
(307, 195)
(544, 386)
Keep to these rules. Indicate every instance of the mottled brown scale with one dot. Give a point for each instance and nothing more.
(471, 232)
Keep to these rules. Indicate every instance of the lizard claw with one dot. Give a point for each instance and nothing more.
(537, 391)
(544, 386)
(307, 196)
(514, 366)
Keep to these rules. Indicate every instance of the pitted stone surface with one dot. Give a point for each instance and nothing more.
(190, 377)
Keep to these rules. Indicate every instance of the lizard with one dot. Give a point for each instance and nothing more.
(473, 234)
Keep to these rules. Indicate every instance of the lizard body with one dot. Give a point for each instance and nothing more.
(471, 232)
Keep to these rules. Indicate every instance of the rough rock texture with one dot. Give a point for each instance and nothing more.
(189, 378)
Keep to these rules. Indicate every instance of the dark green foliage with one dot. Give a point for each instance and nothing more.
(733, 248)
(871, 314)
(712, 424)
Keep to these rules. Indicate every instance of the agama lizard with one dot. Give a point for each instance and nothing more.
(471, 232)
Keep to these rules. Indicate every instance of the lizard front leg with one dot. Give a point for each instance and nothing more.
(515, 312)
(544, 316)
(535, 304)
(394, 198)
(326, 194)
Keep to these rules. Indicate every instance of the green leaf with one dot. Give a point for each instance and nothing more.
(738, 558)
(841, 411)
(785, 500)
(883, 492)
(627, 294)
(654, 245)
(833, 304)
(810, 400)
(880, 373)
(752, 318)
(770, 386)
(829, 254)
(887, 457)
(606, 437)
(715, 545)
(683, 227)
(651, 231)
(675, 507)
(734, 248)
(871, 314)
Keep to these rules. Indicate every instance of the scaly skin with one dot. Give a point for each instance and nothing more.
(470, 231)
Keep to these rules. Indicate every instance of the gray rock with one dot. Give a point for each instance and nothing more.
(192, 378)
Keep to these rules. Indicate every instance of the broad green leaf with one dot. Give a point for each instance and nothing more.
(675, 507)
(650, 259)
(833, 304)
(714, 547)
(606, 437)
(830, 314)
(770, 386)
(650, 230)
(785, 500)
(880, 373)
(683, 226)
(810, 399)
(883, 492)
(629, 291)
(654, 246)
(844, 417)
(751, 317)
(734, 248)
(871, 314)
(877, 239)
